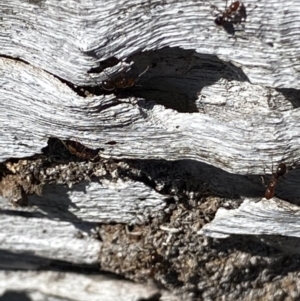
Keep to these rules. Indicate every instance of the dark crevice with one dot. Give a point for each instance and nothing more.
(11, 295)
(14, 58)
(109, 62)
(15, 261)
(172, 87)
(292, 95)
(155, 297)
(155, 77)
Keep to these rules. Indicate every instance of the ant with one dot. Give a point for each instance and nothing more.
(280, 172)
(79, 150)
(121, 82)
(233, 14)
(233, 7)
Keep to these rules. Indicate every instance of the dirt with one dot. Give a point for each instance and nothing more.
(171, 254)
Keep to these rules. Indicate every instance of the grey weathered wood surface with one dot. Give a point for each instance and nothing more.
(42, 105)
(268, 217)
(74, 36)
(92, 202)
(51, 285)
(46, 238)
(274, 222)
(241, 90)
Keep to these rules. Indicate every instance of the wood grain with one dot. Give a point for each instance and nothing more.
(214, 111)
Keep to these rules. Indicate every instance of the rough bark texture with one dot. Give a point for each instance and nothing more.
(125, 126)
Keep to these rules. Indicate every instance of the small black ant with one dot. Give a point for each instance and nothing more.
(280, 172)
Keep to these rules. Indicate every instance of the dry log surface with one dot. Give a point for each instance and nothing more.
(126, 125)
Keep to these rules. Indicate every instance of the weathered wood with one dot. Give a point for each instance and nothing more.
(74, 287)
(219, 113)
(48, 108)
(274, 222)
(47, 238)
(267, 217)
(63, 220)
(74, 37)
(93, 202)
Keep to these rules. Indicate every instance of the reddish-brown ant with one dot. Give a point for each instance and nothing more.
(79, 150)
(121, 82)
(227, 13)
(280, 172)
(233, 14)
